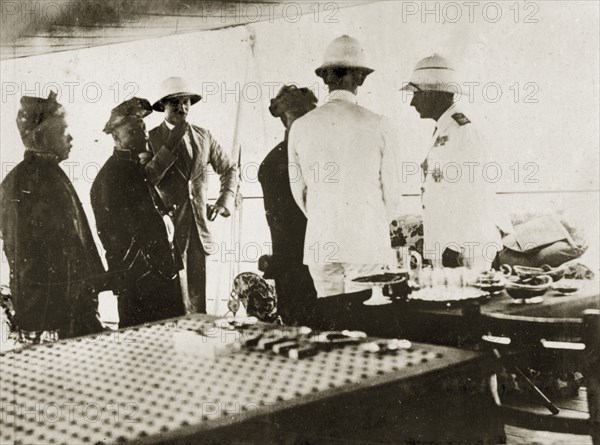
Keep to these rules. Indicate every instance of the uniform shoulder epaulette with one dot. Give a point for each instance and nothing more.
(461, 119)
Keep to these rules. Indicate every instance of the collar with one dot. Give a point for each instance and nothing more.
(445, 119)
(33, 154)
(170, 126)
(125, 155)
(342, 95)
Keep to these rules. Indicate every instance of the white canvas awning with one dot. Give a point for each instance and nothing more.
(32, 28)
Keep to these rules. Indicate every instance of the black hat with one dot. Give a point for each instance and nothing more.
(34, 111)
(292, 98)
(132, 108)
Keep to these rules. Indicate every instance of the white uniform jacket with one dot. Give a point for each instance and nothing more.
(344, 176)
(458, 193)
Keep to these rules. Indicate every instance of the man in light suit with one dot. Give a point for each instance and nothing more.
(344, 176)
(178, 169)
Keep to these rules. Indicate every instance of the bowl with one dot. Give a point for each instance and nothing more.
(525, 272)
(528, 288)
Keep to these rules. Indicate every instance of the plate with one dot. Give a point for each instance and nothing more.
(382, 278)
(443, 296)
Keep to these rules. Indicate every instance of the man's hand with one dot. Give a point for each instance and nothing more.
(144, 157)
(213, 210)
(452, 258)
(176, 136)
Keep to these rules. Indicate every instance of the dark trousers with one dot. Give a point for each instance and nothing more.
(193, 276)
(153, 298)
(85, 319)
(296, 295)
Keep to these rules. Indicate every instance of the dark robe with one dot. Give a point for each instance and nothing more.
(55, 269)
(295, 290)
(142, 263)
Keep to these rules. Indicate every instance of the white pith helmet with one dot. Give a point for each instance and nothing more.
(434, 73)
(344, 52)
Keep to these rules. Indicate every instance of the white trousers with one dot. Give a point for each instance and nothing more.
(336, 278)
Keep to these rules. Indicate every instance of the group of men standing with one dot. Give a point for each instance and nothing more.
(150, 202)
(344, 165)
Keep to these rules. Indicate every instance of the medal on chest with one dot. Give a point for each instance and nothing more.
(436, 173)
(440, 141)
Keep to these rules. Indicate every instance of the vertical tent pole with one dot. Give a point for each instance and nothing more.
(236, 224)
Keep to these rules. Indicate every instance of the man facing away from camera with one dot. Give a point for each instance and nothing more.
(343, 175)
(461, 222)
(55, 268)
(133, 225)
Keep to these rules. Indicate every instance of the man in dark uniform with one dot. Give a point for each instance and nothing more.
(133, 226)
(55, 269)
(295, 290)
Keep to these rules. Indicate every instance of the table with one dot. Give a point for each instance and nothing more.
(447, 325)
(136, 385)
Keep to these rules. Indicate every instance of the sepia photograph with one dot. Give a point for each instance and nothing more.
(299, 222)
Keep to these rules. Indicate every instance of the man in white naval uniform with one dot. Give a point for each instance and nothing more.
(344, 177)
(461, 221)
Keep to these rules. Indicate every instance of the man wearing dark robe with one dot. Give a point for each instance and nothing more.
(134, 228)
(55, 269)
(296, 295)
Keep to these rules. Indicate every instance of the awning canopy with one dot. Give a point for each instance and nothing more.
(32, 28)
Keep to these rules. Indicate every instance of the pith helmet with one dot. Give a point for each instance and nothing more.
(174, 87)
(344, 52)
(434, 73)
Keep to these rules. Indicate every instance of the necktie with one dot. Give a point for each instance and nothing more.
(185, 149)
(184, 155)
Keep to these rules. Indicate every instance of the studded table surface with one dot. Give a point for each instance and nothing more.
(139, 384)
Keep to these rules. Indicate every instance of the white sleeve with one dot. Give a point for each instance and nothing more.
(297, 184)
(391, 183)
